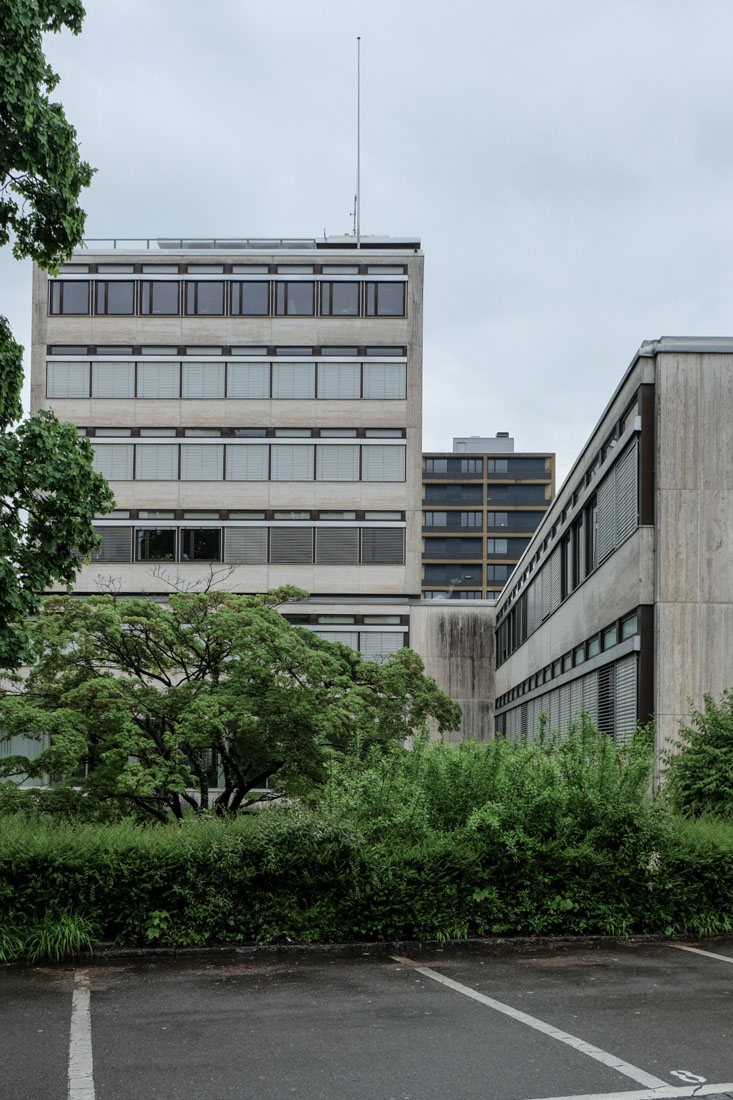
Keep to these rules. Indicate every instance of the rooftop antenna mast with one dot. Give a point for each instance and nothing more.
(357, 197)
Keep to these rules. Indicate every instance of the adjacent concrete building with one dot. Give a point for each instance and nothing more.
(481, 503)
(622, 603)
(256, 408)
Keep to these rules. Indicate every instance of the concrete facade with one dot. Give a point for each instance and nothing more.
(623, 601)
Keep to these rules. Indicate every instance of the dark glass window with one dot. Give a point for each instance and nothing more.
(69, 297)
(385, 299)
(250, 299)
(340, 299)
(115, 297)
(200, 544)
(516, 494)
(467, 494)
(454, 574)
(159, 298)
(294, 299)
(205, 298)
(156, 544)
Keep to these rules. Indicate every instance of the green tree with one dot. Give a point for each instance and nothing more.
(699, 774)
(144, 704)
(48, 490)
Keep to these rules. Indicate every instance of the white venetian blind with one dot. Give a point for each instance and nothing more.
(607, 515)
(625, 715)
(113, 379)
(292, 462)
(158, 379)
(245, 545)
(293, 380)
(202, 463)
(378, 644)
(627, 508)
(156, 462)
(250, 380)
(247, 462)
(113, 460)
(385, 381)
(67, 380)
(383, 463)
(337, 462)
(339, 381)
(202, 380)
(344, 637)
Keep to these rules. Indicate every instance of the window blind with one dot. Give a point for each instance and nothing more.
(339, 380)
(202, 463)
(337, 545)
(248, 380)
(113, 379)
(378, 644)
(337, 462)
(248, 462)
(383, 545)
(382, 463)
(291, 545)
(292, 462)
(67, 380)
(293, 380)
(203, 380)
(113, 460)
(158, 379)
(156, 462)
(245, 545)
(116, 544)
(385, 381)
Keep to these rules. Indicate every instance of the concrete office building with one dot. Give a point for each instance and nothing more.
(256, 408)
(481, 504)
(622, 603)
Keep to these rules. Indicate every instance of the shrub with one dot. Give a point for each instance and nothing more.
(699, 775)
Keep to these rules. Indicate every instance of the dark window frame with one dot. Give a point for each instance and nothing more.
(57, 293)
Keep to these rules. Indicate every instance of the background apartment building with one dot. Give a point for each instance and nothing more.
(623, 602)
(256, 408)
(481, 504)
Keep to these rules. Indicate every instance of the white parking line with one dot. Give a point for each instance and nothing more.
(699, 951)
(81, 1079)
(650, 1094)
(611, 1060)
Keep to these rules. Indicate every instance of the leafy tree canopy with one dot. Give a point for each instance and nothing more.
(152, 705)
(48, 491)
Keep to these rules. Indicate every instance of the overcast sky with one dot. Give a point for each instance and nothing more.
(568, 166)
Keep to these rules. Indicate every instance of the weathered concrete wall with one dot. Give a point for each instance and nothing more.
(694, 559)
(456, 642)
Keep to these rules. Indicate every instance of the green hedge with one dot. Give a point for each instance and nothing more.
(435, 843)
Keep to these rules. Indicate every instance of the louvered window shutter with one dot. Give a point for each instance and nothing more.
(156, 462)
(340, 381)
(248, 462)
(291, 545)
(383, 545)
(116, 544)
(345, 637)
(292, 462)
(625, 717)
(293, 380)
(606, 515)
(248, 380)
(113, 379)
(337, 545)
(383, 463)
(113, 460)
(67, 380)
(627, 510)
(203, 380)
(385, 381)
(337, 462)
(158, 379)
(201, 463)
(555, 571)
(245, 545)
(590, 695)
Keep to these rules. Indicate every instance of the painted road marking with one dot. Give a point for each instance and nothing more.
(603, 1056)
(666, 1093)
(699, 951)
(81, 1079)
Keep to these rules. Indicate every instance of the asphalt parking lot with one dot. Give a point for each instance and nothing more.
(608, 1021)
